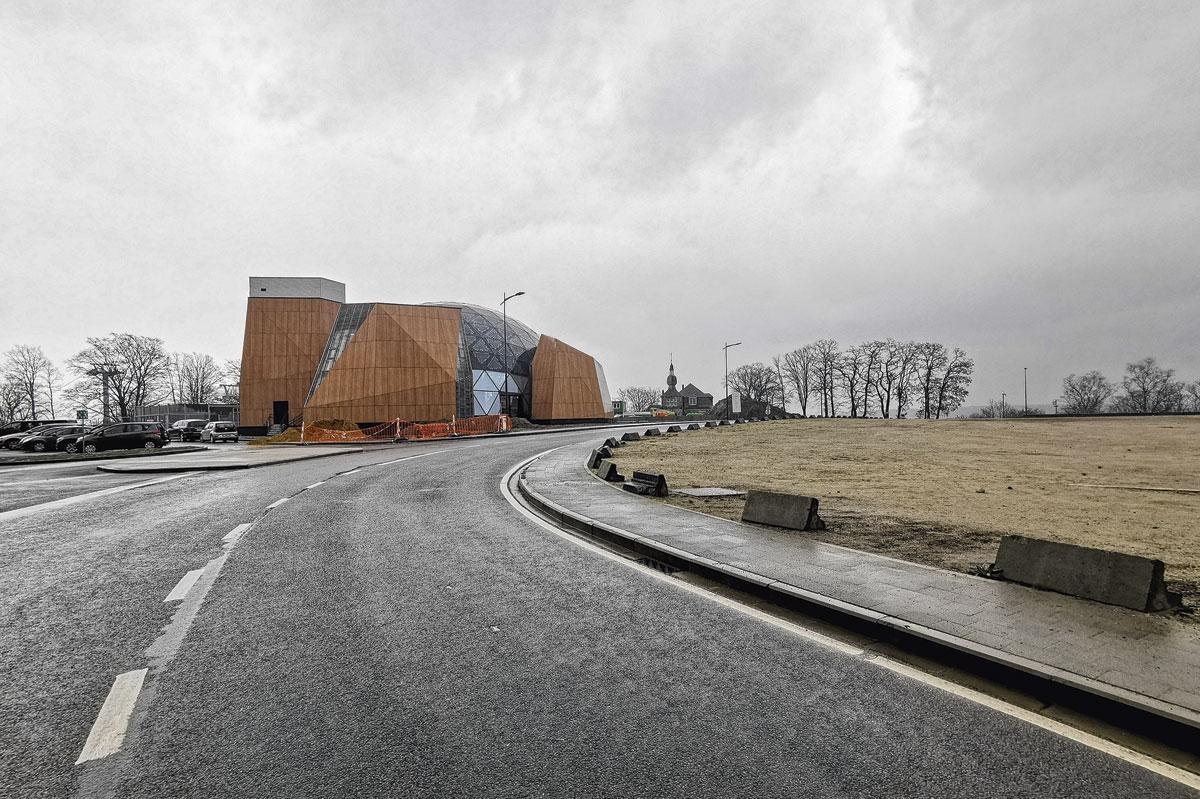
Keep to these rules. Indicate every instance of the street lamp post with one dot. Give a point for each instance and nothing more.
(1003, 396)
(728, 397)
(504, 404)
(1026, 369)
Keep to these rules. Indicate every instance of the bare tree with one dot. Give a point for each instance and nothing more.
(777, 362)
(799, 371)
(931, 359)
(231, 375)
(872, 354)
(1149, 388)
(756, 382)
(638, 398)
(50, 379)
(849, 370)
(1191, 395)
(12, 401)
(825, 357)
(1086, 393)
(25, 367)
(887, 374)
(139, 365)
(954, 383)
(194, 377)
(905, 381)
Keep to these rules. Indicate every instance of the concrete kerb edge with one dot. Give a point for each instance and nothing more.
(225, 467)
(762, 585)
(33, 460)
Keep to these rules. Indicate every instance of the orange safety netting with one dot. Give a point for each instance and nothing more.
(324, 432)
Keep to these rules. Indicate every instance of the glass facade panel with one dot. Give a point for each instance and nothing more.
(349, 319)
(483, 350)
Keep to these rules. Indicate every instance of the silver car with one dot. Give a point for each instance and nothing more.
(216, 432)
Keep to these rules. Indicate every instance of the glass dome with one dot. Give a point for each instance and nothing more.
(481, 361)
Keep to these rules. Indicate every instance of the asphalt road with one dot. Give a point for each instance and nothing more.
(403, 631)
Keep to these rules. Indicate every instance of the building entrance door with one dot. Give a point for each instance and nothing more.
(279, 411)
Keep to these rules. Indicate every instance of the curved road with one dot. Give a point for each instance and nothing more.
(402, 630)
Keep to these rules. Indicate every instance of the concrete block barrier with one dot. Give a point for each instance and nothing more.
(1114, 578)
(598, 454)
(793, 511)
(711, 424)
(607, 470)
(693, 426)
(674, 429)
(631, 437)
(652, 431)
(650, 484)
(611, 442)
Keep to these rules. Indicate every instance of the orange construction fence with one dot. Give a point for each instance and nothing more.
(411, 431)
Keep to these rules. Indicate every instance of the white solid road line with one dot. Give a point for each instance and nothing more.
(233, 535)
(184, 585)
(108, 733)
(352, 471)
(277, 503)
(1066, 731)
(1079, 736)
(18, 513)
(314, 485)
(425, 455)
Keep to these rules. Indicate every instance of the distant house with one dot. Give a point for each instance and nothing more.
(690, 399)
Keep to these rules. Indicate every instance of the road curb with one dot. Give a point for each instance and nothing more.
(33, 460)
(222, 467)
(882, 625)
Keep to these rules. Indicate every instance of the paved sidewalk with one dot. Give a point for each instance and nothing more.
(1143, 660)
(244, 458)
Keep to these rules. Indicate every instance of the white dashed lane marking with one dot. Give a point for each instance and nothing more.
(314, 485)
(184, 585)
(108, 733)
(277, 503)
(233, 535)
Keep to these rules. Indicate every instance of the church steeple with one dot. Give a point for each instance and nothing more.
(671, 379)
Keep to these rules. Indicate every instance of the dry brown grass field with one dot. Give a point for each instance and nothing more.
(942, 493)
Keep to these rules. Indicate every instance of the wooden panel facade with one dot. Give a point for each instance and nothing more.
(565, 384)
(400, 364)
(283, 342)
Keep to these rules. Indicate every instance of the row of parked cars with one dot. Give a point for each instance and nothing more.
(68, 437)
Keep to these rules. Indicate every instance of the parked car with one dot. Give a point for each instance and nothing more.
(13, 440)
(69, 442)
(216, 432)
(48, 439)
(25, 425)
(121, 435)
(186, 430)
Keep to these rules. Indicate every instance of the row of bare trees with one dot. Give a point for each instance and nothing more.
(140, 371)
(876, 378)
(1146, 387)
(883, 378)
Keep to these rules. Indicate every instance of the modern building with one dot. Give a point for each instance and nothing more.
(308, 354)
(689, 399)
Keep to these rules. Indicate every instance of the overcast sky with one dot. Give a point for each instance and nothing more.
(1019, 179)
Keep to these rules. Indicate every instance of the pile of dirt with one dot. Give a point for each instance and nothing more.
(335, 424)
(289, 436)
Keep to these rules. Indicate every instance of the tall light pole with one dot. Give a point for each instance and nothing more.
(728, 398)
(104, 371)
(504, 391)
(1026, 368)
(1002, 405)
